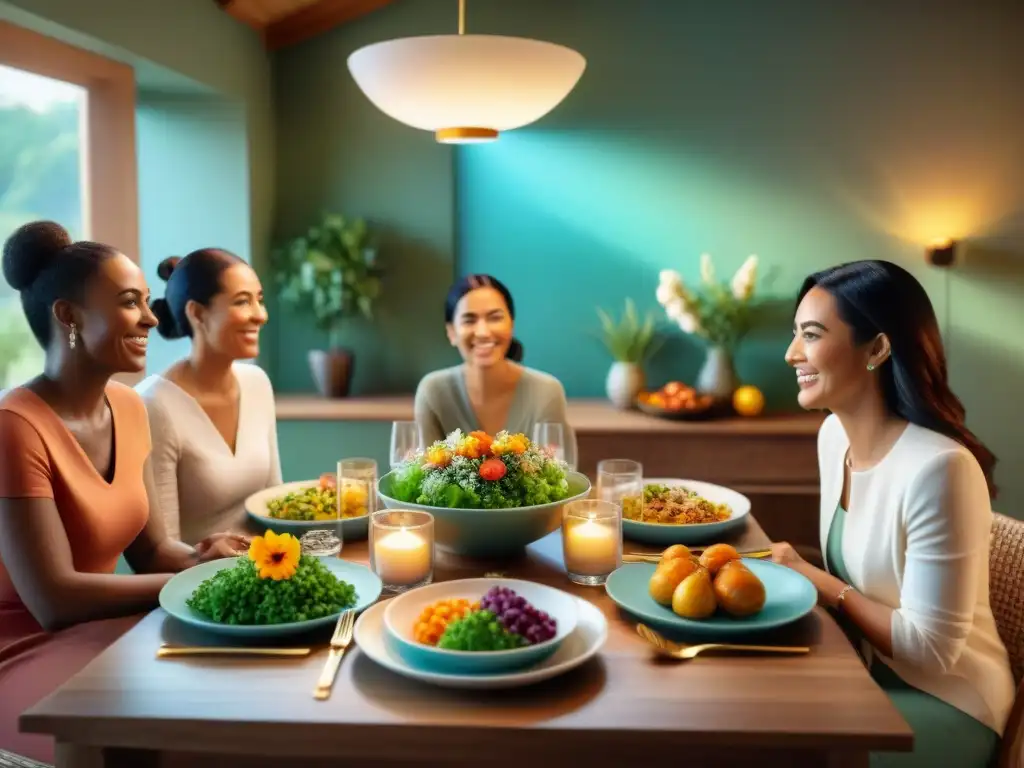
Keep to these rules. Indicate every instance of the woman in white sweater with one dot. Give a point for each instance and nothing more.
(212, 418)
(905, 510)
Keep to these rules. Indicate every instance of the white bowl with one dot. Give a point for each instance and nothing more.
(403, 611)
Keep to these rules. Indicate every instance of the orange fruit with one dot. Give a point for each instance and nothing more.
(748, 401)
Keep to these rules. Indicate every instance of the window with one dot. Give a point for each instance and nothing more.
(67, 153)
(40, 178)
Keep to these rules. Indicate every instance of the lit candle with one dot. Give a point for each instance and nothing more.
(591, 548)
(402, 558)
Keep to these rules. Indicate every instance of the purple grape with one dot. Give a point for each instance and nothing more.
(518, 616)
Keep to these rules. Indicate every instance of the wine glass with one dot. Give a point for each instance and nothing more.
(406, 440)
(550, 436)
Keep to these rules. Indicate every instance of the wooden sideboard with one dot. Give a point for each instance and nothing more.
(772, 459)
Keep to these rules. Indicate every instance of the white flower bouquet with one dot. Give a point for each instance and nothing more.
(718, 310)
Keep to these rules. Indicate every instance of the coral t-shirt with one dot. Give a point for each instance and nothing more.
(41, 458)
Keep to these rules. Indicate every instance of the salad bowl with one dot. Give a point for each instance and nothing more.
(489, 495)
(403, 612)
(490, 532)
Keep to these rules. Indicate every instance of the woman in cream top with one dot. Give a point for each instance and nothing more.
(905, 510)
(490, 391)
(212, 417)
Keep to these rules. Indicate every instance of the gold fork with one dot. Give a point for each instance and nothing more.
(339, 644)
(678, 651)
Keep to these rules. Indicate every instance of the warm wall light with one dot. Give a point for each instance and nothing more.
(942, 254)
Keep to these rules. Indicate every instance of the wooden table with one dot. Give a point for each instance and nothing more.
(624, 708)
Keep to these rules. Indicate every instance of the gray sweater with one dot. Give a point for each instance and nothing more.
(442, 406)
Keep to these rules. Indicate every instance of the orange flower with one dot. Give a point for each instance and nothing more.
(472, 447)
(276, 556)
(439, 456)
(517, 443)
(485, 440)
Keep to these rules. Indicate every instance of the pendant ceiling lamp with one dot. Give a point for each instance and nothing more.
(466, 88)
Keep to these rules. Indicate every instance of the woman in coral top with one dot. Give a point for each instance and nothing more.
(74, 448)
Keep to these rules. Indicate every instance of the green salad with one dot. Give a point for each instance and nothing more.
(477, 471)
(239, 595)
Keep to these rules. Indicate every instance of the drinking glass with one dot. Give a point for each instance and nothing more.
(406, 440)
(402, 548)
(591, 540)
(620, 481)
(356, 496)
(550, 436)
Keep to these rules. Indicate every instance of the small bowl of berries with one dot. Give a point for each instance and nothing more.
(479, 626)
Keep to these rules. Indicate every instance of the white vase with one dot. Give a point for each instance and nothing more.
(717, 377)
(624, 383)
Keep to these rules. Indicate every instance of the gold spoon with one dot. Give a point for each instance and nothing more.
(678, 651)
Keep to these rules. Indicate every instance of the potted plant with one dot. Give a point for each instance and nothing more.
(331, 271)
(630, 342)
(718, 311)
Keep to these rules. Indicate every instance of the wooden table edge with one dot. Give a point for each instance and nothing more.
(310, 739)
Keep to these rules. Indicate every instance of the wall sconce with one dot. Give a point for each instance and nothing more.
(942, 254)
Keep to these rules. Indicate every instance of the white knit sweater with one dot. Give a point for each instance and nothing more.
(917, 540)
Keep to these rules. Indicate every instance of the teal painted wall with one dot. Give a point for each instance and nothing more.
(193, 188)
(335, 152)
(806, 134)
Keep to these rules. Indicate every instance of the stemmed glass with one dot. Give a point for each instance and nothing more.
(406, 440)
(550, 436)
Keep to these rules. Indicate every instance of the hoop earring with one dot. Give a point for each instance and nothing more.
(72, 336)
(871, 366)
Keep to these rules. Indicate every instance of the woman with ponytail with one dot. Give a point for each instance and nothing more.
(74, 455)
(491, 390)
(906, 510)
(212, 417)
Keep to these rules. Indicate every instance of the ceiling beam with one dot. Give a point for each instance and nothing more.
(317, 19)
(242, 12)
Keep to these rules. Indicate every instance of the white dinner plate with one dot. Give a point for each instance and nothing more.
(586, 640)
(667, 534)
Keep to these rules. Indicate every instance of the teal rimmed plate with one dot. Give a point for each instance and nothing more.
(789, 597)
(182, 585)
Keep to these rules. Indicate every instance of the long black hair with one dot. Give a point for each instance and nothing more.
(43, 263)
(194, 278)
(875, 297)
(471, 283)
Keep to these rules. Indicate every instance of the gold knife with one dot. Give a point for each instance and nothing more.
(166, 651)
(646, 557)
(339, 644)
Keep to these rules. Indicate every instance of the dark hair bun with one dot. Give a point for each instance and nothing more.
(166, 267)
(515, 351)
(30, 250)
(167, 326)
